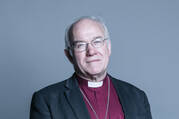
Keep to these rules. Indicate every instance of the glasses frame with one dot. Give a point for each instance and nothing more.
(87, 43)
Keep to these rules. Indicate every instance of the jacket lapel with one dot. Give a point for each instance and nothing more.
(75, 99)
(121, 94)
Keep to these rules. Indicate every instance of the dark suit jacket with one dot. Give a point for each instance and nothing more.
(65, 101)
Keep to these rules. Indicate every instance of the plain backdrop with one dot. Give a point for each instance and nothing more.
(145, 49)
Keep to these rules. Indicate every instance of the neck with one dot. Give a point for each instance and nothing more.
(93, 78)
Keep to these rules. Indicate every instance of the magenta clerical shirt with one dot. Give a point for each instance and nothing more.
(98, 99)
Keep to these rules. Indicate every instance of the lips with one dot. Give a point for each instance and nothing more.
(94, 60)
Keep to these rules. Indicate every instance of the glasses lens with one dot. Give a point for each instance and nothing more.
(98, 42)
(79, 46)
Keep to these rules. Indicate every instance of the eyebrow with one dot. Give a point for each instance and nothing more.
(83, 41)
(78, 42)
(98, 37)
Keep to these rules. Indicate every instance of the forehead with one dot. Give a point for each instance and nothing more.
(87, 29)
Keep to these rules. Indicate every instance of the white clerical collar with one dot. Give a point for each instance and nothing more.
(95, 84)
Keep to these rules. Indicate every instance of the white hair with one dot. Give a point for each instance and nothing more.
(69, 34)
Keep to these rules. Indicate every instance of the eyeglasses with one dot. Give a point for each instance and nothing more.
(80, 46)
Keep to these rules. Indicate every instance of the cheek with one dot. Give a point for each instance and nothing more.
(105, 53)
(80, 60)
(106, 56)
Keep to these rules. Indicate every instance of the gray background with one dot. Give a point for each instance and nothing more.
(145, 39)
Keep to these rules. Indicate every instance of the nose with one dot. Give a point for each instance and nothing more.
(90, 50)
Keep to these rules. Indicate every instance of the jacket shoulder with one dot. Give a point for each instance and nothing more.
(125, 86)
(53, 89)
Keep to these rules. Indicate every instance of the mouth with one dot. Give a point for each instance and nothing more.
(95, 60)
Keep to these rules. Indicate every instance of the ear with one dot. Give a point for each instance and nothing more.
(68, 55)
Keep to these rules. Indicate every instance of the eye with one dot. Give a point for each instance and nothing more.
(98, 42)
(79, 45)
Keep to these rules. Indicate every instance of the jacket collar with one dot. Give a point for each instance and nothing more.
(75, 98)
(71, 83)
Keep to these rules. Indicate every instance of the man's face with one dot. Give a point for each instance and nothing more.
(92, 61)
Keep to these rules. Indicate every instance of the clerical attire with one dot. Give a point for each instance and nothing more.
(101, 99)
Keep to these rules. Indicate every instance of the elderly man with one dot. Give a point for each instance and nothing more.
(90, 93)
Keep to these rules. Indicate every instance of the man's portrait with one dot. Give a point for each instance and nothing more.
(89, 59)
(91, 93)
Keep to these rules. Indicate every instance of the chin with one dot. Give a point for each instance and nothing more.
(96, 72)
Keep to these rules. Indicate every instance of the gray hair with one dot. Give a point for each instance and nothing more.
(69, 30)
